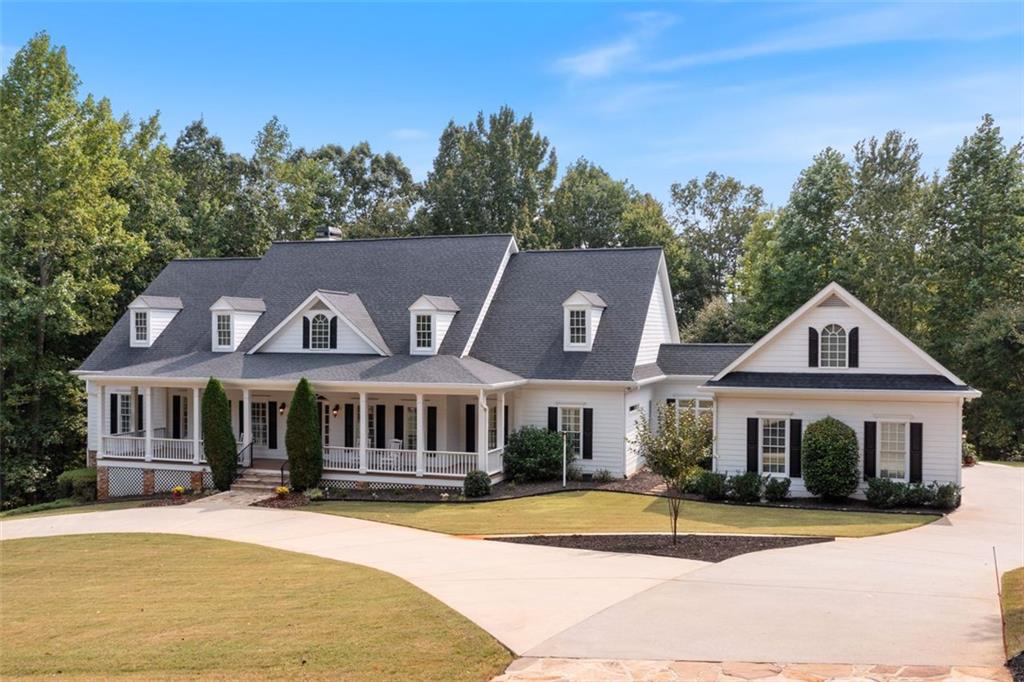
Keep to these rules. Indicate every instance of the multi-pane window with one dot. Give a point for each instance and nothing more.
(141, 326)
(577, 326)
(699, 406)
(184, 416)
(325, 430)
(833, 346)
(319, 332)
(124, 412)
(223, 330)
(570, 422)
(371, 426)
(424, 331)
(410, 428)
(773, 446)
(892, 450)
(492, 427)
(260, 424)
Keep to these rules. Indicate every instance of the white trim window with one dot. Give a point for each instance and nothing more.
(124, 412)
(319, 332)
(141, 320)
(699, 406)
(833, 347)
(184, 417)
(410, 428)
(492, 427)
(424, 332)
(577, 327)
(570, 421)
(371, 425)
(260, 423)
(774, 445)
(223, 330)
(325, 428)
(893, 450)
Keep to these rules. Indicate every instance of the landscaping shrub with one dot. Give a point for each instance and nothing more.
(776, 489)
(305, 449)
(746, 487)
(885, 494)
(477, 484)
(315, 494)
(711, 486)
(946, 495)
(829, 460)
(77, 483)
(918, 495)
(218, 439)
(534, 454)
(603, 476)
(968, 454)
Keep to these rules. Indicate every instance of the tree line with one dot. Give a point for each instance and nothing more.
(92, 206)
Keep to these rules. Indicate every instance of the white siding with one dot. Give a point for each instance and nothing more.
(657, 326)
(243, 322)
(442, 321)
(940, 431)
(289, 339)
(531, 408)
(158, 321)
(637, 402)
(159, 412)
(92, 411)
(880, 351)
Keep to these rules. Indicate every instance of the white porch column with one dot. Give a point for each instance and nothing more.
(101, 428)
(147, 420)
(246, 418)
(362, 432)
(501, 419)
(420, 436)
(196, 425)
(481, 432)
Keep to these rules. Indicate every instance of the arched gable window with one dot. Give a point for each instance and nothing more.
(319, 332)
(833, 346)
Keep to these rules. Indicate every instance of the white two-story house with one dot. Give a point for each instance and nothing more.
(425, 353)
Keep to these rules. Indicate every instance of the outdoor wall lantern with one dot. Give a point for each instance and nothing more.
(281, 409)
(334, 412)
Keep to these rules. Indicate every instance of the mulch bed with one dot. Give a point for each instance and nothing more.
(713, 548)
(289, 501)
(169, 501)
(1016, 666)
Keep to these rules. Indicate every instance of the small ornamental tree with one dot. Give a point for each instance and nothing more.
(305, 451)
(218, 439)
(829, 459)
(674, 453)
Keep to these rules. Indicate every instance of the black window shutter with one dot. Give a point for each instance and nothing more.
(334, 332)
(552, 419)
(380, 427)
(272, 424)
(113, 413)
(795, 447)
(588, 433)
(241, 416)
(431, 428)
(470, 427)
(139, 412)
(916, 436)
(350, 425)
(506, 426)
(399, 422)
(176, 416)
(870, 431)
(305, 332)
(752, 423)
(853, 347)
(812, 347)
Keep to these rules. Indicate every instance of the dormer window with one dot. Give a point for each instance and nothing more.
(142, 327)
(581, 316)
(424, 332)
(577, 327)
(429, 320)
(231, 318)
(319, 332)
(224, 331)
(148, 317)
(833, 347)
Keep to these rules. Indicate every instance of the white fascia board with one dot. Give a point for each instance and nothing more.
(838, 393)
(510, 250)
(289, 384)
(298, 311)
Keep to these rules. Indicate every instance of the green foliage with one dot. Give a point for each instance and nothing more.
(829, 459)
(603, 476)
(534, 454)
(885, 493)
(711, 486)
(776, 489)
(675, 449)
(918, 495)
(888, 494)
(747, 487)
(716, 323)
(305, 450)
(587, 208)
(476, 484)
(946, 496)
(77, 483)
(218, 439)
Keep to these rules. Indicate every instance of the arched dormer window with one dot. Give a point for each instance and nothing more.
(833, 346)
(319, 332)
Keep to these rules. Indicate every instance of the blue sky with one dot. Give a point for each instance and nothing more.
(653, 93)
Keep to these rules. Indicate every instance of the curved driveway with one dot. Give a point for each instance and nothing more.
(921, 596)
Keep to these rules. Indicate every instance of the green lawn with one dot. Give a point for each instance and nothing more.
(68, 505)
(1013, 610)
(600, 512)
(160, 606)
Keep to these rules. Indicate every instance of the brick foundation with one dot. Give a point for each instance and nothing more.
(90, 458)
(102, 484)
(197, 481)
(148, 482)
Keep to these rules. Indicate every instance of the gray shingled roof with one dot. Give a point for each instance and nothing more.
(523, 328)
(698, 359)
(839, 381)
(351, 306)
(249, 305)
(159, 302)
(590, 297)
(441, 303)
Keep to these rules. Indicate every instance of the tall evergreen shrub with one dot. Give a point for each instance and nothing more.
(218, 439)
(829, 459)
(305, 451)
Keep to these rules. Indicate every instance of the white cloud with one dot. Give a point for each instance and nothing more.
(616, 55)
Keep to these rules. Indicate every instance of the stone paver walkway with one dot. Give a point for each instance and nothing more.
(606, 670)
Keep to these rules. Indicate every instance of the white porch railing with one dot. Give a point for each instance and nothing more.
(381, 460)
(337, 458)
(172, 449)
(449, 463)
(496, 460)
(127, 447)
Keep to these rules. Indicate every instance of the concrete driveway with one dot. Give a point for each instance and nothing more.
(922, 596)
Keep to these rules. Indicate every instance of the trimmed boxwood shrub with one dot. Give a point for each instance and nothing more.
(305, 450)
(946, 496)
(829, 459)
(534, 454)
(711, 486)
(477, 484)
(746, 487)
(884, 493)
(776, 489)
(77, 483)
(918, 495)
(218, 439)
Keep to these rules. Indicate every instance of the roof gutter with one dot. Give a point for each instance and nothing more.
(289, 384)
(968, 394)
